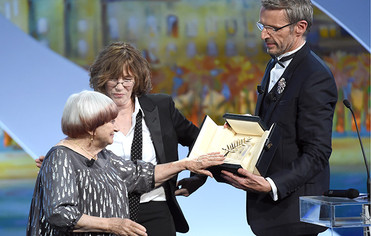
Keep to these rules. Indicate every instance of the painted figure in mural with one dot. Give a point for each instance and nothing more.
(299, 94)
(122, 73)
(82, 187)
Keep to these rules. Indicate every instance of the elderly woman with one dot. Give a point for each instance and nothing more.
(123, 74)
(83, 187)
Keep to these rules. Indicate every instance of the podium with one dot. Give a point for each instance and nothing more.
(336, 212)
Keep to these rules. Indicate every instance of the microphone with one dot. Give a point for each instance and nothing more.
(349, 106)
(260, 89)
(90, 162)
(349, 193)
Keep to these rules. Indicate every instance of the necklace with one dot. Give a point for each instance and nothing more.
(95, 157)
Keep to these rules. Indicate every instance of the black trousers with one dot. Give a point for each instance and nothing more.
(155, 216)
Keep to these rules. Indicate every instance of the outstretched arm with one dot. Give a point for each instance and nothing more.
(198, 165)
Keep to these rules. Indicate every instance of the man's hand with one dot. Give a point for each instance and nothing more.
(39, 161)
(247, 181)
(188, 185)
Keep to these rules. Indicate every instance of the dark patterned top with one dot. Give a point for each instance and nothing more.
(68, 186)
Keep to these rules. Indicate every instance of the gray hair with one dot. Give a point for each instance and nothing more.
(86, 111)
(296, 10)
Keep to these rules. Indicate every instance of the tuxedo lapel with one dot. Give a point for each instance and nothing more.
(152, 119)
(277, 97)
(264, 86)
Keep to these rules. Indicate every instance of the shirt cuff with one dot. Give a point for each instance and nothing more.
(274, 193)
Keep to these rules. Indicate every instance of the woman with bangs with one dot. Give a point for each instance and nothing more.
(82, 188)
(122, 73)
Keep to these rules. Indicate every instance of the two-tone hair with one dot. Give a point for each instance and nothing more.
(86, 111)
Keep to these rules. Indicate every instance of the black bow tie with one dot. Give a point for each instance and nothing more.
(280, 61)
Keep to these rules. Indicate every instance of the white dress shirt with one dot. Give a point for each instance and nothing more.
(277, 70)
(121, 146)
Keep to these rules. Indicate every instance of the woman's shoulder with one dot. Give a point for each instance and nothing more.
(57, 155)
(156, 97)
(112, 159)
(60, 152)
(159, 100)
(109, 155)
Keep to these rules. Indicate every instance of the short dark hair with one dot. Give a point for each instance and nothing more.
(86, 111)
(112, 60)
(296, 10)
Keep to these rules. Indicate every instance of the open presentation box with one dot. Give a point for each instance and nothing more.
(245, 141)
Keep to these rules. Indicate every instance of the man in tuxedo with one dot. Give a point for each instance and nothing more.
(298, 94)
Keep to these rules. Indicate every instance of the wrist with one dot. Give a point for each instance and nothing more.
(273, 189)
(184, 164)
(108, 225)
(268, 186)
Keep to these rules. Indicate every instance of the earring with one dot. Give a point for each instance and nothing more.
(91, 139)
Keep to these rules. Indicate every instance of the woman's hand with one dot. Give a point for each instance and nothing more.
(117, 226)
(126, 227)
(200, 164)
(187, 186)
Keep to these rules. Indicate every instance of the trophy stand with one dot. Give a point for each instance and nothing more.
(336, 212)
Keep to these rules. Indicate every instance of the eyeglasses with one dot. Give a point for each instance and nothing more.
(271, 29)
(128, 81)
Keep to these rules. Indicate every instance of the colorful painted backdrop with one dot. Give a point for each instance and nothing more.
(208, 55)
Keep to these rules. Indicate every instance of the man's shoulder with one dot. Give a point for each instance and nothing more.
(317, 63)
(309, 61)
(312, 57)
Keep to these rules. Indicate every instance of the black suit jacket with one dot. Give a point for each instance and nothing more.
(303, 113)
(168, 128)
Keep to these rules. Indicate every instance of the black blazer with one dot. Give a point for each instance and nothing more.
(168, 128)
(303, 113)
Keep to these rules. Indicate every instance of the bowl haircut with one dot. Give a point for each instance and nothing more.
(86, 111)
